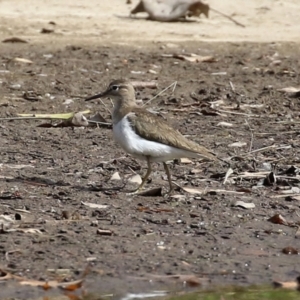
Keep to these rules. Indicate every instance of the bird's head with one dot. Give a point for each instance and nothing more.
(119, 91)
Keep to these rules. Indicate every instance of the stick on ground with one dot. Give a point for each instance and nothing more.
(228, 17)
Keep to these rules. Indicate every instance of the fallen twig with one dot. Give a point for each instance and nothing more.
(276, 133)
(232, 86)
(266, 148)
(161, 92)
(228, 17)
(101, 123)
(63, 116)
(252, 136)
(237, 113)
(263, 174)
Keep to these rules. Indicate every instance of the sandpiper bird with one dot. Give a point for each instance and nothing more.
(145, 135)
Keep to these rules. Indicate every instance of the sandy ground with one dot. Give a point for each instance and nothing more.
(46, 173)
(96, 21)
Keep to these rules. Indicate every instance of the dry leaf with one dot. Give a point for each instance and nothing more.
(135, 179)
(144, 84)
(23, 60)
(185, 161)
(238, 144)
(195, 171)
(276, 62)
(224, 124)
(94, 205)
(244, 204)
(14, 40)
(72, 285)
(46, 285)
(66, 287)
(293, 190)
(177, 196)
(289, 89)
(115, 176)
(27, 230)
(228, 173)
(193, 190)
(152, 71)
(189, 280)
(105, 232)
(218, 73)
(68, 102)
(291, 285)
(6, 222)
(16, 166)
(290, 250)
(194, 58)
(278, 219)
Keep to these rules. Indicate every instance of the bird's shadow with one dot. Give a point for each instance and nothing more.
(47, 182)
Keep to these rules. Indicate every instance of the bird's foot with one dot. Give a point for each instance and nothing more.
(140, 187)
(168, 193)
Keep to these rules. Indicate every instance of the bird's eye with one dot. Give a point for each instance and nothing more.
(115, 87)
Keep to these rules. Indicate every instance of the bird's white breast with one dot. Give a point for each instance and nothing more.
(140, 147)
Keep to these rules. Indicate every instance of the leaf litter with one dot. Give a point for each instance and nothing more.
(9, 224)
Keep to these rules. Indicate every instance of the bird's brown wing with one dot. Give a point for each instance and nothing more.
(154, 128)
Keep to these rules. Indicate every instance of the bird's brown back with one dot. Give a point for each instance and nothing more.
(153, 128)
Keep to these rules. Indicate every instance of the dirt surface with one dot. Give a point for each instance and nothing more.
(49, 172)
(46, 173)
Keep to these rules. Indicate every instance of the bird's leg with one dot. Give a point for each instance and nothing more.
(146, 175)
(169, 177)
(149, 170)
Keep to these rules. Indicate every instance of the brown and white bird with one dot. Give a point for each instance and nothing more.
(145, 135)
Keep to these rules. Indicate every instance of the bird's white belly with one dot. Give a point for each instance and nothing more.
(140, 147)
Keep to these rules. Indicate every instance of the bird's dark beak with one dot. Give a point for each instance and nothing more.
(96, 96)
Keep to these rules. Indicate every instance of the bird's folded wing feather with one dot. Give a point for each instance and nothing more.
(153, 128)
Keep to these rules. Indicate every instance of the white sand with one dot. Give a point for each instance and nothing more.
(95, 21)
